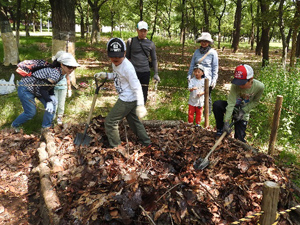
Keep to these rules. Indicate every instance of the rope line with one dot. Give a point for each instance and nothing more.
(284, 212)
(247, 218)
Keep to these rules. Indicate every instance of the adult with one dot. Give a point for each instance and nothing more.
(245, 93)
(207, 57)
(41, 85)
(130, 103)
(139, 50)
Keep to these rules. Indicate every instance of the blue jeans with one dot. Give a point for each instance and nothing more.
(29, 107)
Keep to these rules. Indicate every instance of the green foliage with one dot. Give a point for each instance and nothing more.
(278, 82)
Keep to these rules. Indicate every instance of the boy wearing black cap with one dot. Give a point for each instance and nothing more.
(130, 103)
(244, 95)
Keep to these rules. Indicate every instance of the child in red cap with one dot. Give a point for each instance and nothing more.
(244, 95)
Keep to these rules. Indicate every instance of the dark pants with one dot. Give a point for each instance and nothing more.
(219, 110)
(144, 78)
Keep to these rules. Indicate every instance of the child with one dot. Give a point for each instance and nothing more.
(196, 99)
(130, 103)
(245, 93)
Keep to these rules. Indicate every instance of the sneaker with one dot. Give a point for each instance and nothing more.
(198, 125)
(219, 133)
(59, 120)
(16, 129)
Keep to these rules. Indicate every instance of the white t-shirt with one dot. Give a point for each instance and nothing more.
(127, 84)
(194, 100)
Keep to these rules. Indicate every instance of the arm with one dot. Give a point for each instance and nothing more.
(154, 58)
(128, 48)
(254, 102)
(214, 69)
(231, 100)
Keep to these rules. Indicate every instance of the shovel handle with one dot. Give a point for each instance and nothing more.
(216, 145)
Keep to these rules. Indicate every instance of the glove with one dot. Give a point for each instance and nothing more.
(141, 111)
(69, 93)
(238, 114)
(226, 128)
(156, 77)
(53, 99)
(50, 107)
(189, 77)
(101, 75)
(213, 83)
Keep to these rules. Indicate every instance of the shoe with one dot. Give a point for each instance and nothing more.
(198, 125)
(219, 133)
(44, 130)
(16, 129)
(59, 120)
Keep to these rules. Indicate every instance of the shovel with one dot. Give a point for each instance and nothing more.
(201, 164)
(83, 138)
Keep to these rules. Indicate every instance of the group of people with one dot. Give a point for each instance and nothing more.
(131, 65)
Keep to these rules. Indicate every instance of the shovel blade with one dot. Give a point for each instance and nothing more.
(201, 164)
(82, 139)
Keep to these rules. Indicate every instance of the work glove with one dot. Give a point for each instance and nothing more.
(238, 114)
(101, 75)
(156, 77)
(189, 77)
(69, 93)
(141, 111)
(226, 128)
(53, 99)
(213, 84)
(50, 107)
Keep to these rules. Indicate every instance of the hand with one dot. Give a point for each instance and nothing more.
(141, 111)
(69, 93)
(101, 75)
(213, 84)
(238, 114)
(156, 77)
(53, 99)
(226, 128)
(50, 107)
(189, 77)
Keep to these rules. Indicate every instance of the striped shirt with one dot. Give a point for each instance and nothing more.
(42, 77)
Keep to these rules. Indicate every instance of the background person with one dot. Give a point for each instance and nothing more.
(245, 93)
(139, 50)
(207, 57)
(130, 103)
(41, 85)
(196, 99)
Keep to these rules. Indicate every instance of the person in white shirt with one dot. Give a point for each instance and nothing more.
(130, 103)
(196, 99)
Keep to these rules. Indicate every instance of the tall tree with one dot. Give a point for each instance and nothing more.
(206, 16)
(95, 7)
(296, 25)
(237, 25)
(265, 5)
(283, 38)
(218, 10)
(11, 53)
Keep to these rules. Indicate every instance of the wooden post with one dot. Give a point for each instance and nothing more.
(269, 202)
(206, 103)
(275, 125)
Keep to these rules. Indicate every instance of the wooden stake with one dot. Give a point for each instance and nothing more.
(269, 202)
(206, 103)
(275, 125)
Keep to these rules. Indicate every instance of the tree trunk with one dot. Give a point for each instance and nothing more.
(141, 9)
(283, 39)
(265, 32)
(252, 36)
(18, 21)
(155, 20)
(206, 17)
(237, 26)
(296, 25)
(258, 41)
(63, 28)
(10, 48)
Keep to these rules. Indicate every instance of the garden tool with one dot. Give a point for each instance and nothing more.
(83, 138)
(200, 163)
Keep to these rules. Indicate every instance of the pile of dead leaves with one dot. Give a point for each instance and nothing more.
(159, 185)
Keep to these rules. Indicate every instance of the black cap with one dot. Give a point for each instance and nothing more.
(116, 48)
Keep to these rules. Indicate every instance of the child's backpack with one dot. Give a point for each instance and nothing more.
(27, 67)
